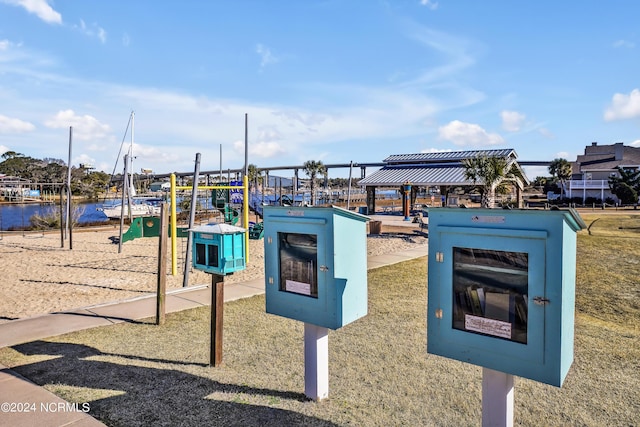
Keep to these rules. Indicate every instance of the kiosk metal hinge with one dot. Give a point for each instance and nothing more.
(269, 240)
(271, 280)
(439, 257)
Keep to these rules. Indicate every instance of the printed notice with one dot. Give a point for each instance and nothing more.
(298, 287)
(496, 328)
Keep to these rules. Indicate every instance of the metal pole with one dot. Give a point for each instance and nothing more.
(349, 185)
(124, 192)
(70, 224)
(246, 144)
(245, 215)
(132, 188)
(68, 212)
(192, 218)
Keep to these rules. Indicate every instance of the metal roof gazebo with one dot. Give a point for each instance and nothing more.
(441, 169)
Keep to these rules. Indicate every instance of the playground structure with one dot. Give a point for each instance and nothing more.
(150, 226)
(228, 213)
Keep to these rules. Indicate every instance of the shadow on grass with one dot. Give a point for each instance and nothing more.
(153, 396)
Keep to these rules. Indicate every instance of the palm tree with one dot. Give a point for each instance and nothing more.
(488, 173)
(253, 174)
(313, 168)
(561, 169)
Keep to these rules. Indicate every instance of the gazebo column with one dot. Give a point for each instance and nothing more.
(371, 199)
(414, 194)
(519, 197)
(406, 200)
(444, 189)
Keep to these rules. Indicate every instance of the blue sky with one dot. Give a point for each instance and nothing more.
(333, 80)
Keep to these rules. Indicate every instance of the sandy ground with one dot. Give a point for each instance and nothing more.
(37, 276)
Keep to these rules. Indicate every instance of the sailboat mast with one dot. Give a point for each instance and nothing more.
(132, 188)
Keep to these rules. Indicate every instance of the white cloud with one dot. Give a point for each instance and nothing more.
(636, 143)
(624, 43)
(40, 8)
(546, 133)
(433, 5)
(266, 57)
(4, 149)
(532, 172)
(624, 106)
(102, 35)
(4, 44)
(512, 121)
(146, 153)
(562, 155)
(83, 159)
(93, 30)
(436, 150)
(85, 128)
(468, 134)
(126, 40)
(261, 149)
(9, 125)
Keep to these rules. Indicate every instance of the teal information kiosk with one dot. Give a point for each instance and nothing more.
(315, 264)
(502, 291)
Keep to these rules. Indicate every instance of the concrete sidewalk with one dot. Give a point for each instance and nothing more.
(46, 409)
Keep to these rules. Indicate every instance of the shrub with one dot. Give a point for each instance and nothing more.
(591, 200)
(50, 218)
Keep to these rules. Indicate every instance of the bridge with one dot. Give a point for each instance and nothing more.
(296, 168)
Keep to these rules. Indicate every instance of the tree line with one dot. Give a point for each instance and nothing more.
(52, 174)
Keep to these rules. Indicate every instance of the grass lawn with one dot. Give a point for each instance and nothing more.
(139, 374)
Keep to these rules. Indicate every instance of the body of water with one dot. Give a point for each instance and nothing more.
(18, 215)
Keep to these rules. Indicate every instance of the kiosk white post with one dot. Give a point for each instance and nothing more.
(497, 398)
(316, 362)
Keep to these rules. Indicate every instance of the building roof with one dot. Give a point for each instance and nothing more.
(417, 175)
(448, 156)
(431, 169)
(607, 157)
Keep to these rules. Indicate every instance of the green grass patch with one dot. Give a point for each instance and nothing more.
(380, 372)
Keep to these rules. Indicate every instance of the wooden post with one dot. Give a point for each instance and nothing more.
(217, 307)
(162, 264)
(497, 398)
(316, 362)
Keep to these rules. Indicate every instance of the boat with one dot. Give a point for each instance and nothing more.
(140, 206)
